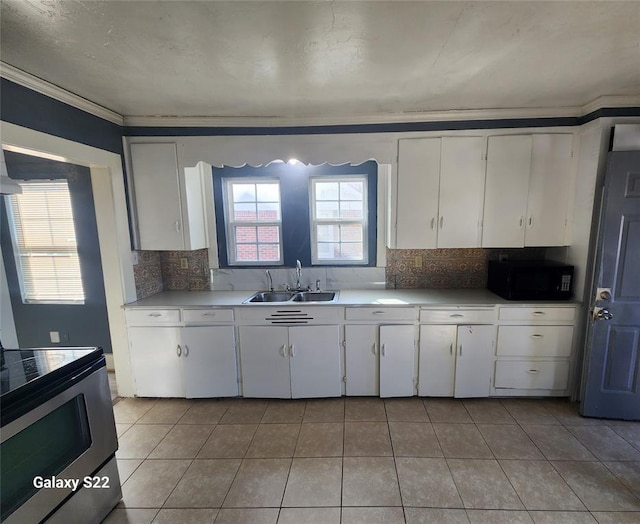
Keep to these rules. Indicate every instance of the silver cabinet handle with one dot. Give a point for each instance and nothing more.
(208, 314)
(374, 348)
(451, 348)
(456, 315)
(441, 222)
(383, 350)
(155, 314)
(460, 349)
(537, 335)
(539, 313)
(179, 350)
(521, 222)
(533, 371)
(177, 226)
(283, 350)
(379, 313)
(530, 221)
(292, 350)
(433, 222)
(186, 350)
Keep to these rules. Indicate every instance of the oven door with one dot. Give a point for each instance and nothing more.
(68, 437)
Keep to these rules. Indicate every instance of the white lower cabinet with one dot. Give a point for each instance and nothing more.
(176, 362)
(290, 362)
(156, 359)
(380, 360)
(456, 360)
(209, 361)
(397, 361)
(361, 360)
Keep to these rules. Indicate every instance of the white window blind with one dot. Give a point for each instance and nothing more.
(44, 241)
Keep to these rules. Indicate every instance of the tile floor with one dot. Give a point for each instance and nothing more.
(368, 460)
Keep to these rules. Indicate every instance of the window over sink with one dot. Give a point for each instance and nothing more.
(276, 214)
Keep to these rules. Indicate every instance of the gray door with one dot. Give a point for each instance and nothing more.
(612, 385)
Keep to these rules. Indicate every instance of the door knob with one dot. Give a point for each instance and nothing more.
(602, 314)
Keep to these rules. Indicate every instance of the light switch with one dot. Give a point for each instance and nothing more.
(418, 261)
(184, 263)
(55, 337)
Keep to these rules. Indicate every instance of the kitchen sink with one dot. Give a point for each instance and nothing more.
(291, 296)
(272, 296)
(314, 296)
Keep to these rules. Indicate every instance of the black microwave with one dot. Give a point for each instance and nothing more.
(530, 279)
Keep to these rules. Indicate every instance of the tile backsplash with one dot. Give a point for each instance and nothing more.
(446, 268)
(436, 269)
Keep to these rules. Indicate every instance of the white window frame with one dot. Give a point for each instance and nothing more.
(314, 221)
(53, 251)
(231, 224)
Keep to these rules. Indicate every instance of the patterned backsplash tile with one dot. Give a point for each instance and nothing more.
(194, 278)
(147, 274)
(446, 268)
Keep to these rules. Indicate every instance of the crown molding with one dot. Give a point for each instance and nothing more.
(46, 88)
(62, 95)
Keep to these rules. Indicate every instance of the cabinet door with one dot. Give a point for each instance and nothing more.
(507, 186)
(157, 196)
(461, 192)
(397, 361)
(156, 355)
(315, 361)
(209, 361)
(418, 183)
(474, 363)
(551, 172)
(362, 363)
(264, 361)
(437, 360)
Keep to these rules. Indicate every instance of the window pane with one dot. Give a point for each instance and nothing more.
(351, 210)
(246, 252)
(244, 192)
(351, 190)
(244, 212)
(268, 193)
(246, 235)
(326, 210)
(351, 251)
(351, 233)
(328, 251)
(268, 212)
(327, 233)
(268, 234)
(269, 252)
(326, 191)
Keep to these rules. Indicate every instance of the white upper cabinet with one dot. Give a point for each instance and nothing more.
(168, 199)
(440, 192)
(527, 190)
(418, 186)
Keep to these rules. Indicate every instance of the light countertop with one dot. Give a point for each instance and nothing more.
(346, 297)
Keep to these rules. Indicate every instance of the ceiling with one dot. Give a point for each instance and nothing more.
(325, 59)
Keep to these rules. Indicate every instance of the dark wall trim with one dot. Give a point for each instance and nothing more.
(24, 107)
(401, 127)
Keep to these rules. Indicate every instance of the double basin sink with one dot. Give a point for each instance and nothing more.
(292, 296)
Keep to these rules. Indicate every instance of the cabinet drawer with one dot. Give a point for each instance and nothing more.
(530, 374)
(382, 314)
(458, 316)
(535, 341)
(201, 316)
(549, 314)
(150, 317)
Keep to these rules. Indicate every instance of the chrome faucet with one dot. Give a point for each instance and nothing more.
(268, 273)
(298, 274)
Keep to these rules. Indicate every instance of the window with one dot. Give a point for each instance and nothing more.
(44, 243)
(253, 220)
(338, 219)
(276, 214)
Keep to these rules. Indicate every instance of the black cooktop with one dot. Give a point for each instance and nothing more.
(31, 376)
